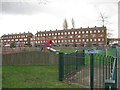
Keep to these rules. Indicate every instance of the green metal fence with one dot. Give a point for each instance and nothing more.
(89, 70)
(69, 64)
(111, 82)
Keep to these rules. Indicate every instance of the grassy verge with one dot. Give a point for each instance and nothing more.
(32, 76)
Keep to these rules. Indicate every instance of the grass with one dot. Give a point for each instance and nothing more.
(32, 76)
(69, 50)
(37, 76)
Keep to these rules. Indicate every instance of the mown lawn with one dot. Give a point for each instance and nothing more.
(69, 50)
(32, 76)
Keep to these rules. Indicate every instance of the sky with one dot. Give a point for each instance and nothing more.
(40, 15)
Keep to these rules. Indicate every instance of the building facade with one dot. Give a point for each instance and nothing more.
(80, 36)
(22, 37)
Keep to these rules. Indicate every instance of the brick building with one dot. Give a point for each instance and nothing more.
(80, 36)
(22, 37)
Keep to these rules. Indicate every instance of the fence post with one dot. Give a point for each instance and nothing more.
(77, 61)
(92, 71)
(116, 78)
(61, 66)
(83, 52)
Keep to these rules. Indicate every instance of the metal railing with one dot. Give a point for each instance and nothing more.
(93, 70)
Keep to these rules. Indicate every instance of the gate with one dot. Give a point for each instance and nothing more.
(89, 70)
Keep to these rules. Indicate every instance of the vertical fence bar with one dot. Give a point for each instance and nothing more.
(116, 67)
(61, 66)
(92, 71)
(106, 64)
(116, 74)
(77, 61)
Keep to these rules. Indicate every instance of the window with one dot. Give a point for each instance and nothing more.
(20, 39)
(72, 32)
(94, 31)
(98, 31)
(58, 33)
(90, 39)
(68, 32)
(83, 36)
(83, 32)
(79, 36)
(90, 31)
(86, 35)
(25, 39)
(98, 39)
(75, 32)
(55, 33)
(86, 39)
(101, 35)
(60, 37)
(70, 36)
(83, 40)
(48, 37)
(52, 33)
(86, 31)
(65, 33)
(94, 39)
(76, 36)
(93, 35)
(53, 37)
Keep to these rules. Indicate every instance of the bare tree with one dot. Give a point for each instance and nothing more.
(73, 23)
(65, 24)
(103, 18)
(104, 21)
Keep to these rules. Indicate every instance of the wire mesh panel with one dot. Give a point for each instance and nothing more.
(89, 70)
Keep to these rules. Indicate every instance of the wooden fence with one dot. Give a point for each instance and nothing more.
(30, 58)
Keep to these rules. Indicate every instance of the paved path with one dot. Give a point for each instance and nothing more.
(119, 67)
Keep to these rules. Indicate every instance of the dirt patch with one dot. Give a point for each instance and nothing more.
(82, 77)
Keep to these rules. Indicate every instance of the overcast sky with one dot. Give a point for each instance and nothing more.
(39, 15)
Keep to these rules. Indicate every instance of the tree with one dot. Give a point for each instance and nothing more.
(65, 24)
(103, 18)
(73, 23)
(104, 21)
